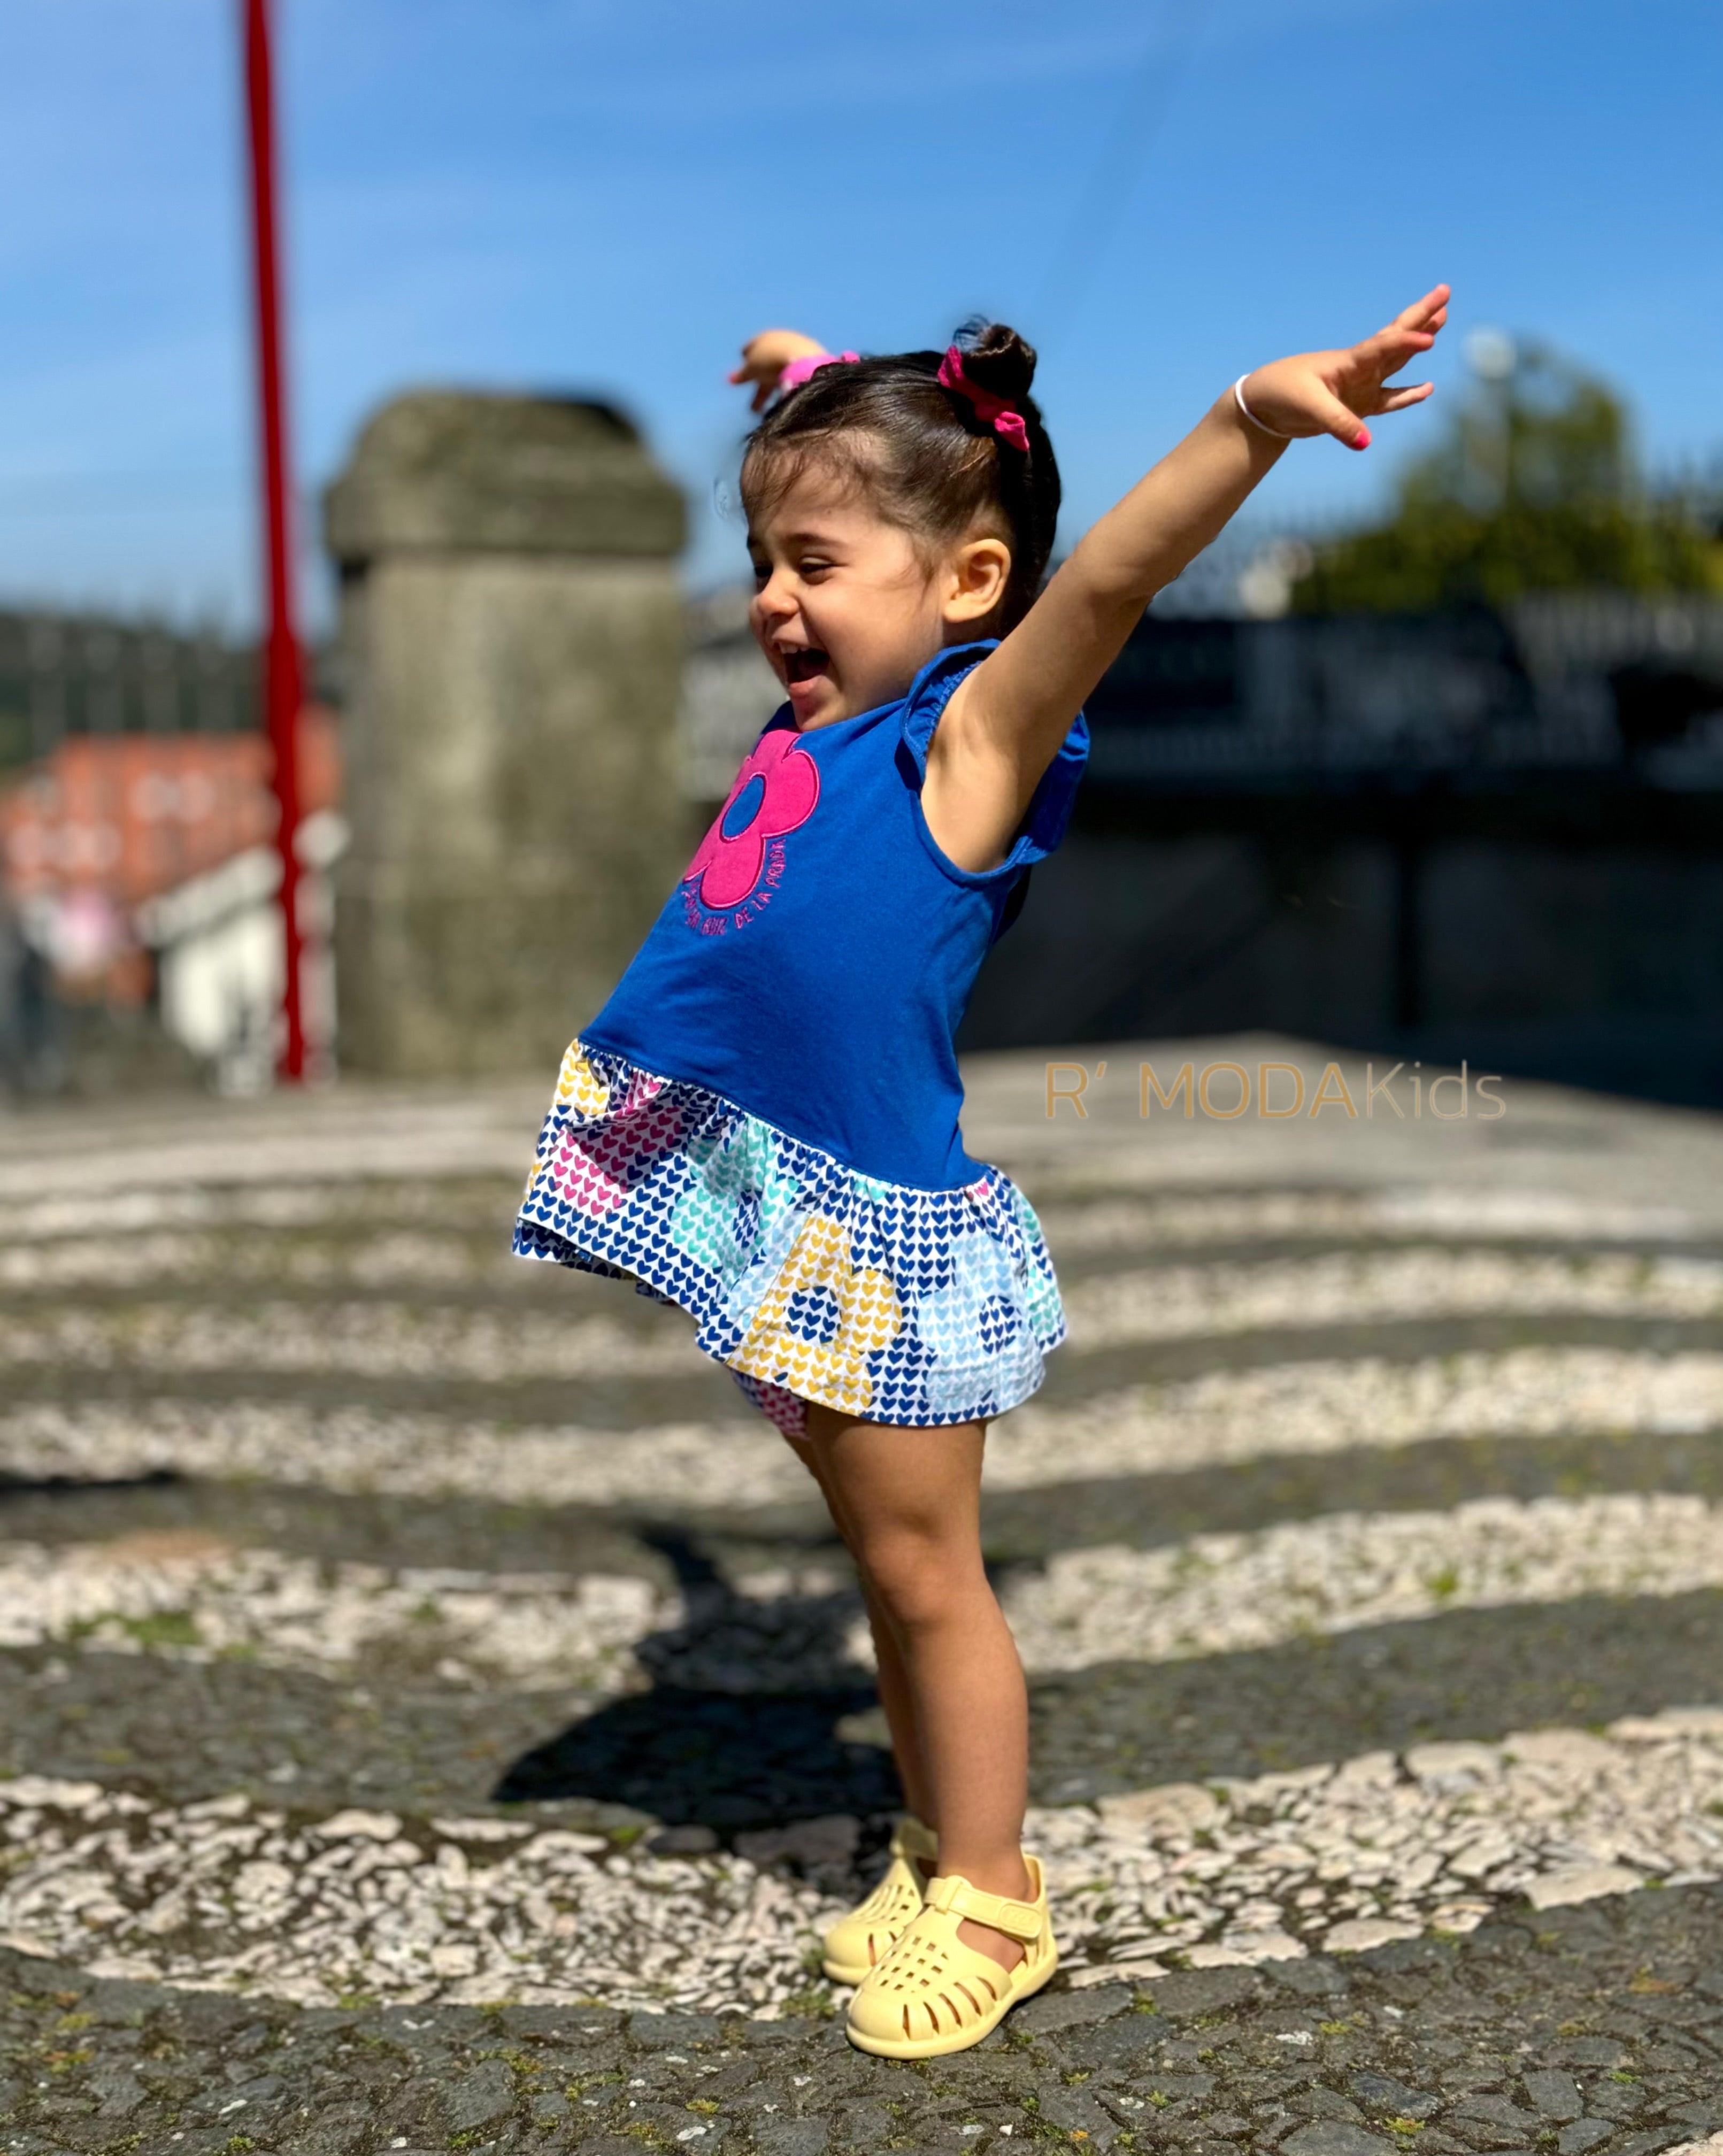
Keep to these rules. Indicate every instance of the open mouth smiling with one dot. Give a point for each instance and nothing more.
(805, 664)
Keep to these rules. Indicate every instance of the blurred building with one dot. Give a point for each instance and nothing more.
(137, 866)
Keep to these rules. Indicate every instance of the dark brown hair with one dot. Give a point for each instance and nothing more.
(920, 453)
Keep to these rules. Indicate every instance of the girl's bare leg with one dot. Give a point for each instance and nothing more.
(893, 1680)
(908, 1504)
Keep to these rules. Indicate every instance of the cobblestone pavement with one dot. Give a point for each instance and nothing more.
(433, 1717)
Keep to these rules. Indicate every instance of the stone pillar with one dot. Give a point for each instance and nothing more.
(512, 639)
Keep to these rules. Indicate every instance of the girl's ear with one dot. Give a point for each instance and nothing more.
(975, 579)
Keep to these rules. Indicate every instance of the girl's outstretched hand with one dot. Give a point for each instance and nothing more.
(765, 357)
(1333, 392)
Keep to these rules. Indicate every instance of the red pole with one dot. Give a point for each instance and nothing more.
(281, 664)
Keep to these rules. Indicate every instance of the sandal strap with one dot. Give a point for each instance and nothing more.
(911, 1839)
(1018, 1920)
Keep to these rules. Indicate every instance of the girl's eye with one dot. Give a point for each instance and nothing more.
(816, 566)
(762, 574)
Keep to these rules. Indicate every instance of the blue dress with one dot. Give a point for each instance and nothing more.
(761, 1125)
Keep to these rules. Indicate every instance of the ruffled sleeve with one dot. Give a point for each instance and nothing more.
(1049, 810)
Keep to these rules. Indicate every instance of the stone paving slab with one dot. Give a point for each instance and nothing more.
(1242, 1421)
(725, 1759)
(381, 1334)
(285, 1329)
(1476, 1673)
(366, 1526)
(1577, 2030)
(463, 1272)
(317, 1906)
(1138, 1512)
(631, 1403)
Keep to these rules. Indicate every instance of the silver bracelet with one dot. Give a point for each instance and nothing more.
(1273, 433)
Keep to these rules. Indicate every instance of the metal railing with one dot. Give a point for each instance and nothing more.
(69, 674)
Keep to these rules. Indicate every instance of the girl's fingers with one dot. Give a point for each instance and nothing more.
(762, 373)
(1371, 364)
(1418, 314)
(1339, 420)
(1396, 400)
(1421, 320)
(1396, 345)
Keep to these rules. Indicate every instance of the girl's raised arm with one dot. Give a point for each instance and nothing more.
(1005, 722)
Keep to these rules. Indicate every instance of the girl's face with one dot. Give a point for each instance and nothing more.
(845, 608)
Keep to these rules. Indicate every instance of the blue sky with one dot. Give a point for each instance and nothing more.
(610, 194)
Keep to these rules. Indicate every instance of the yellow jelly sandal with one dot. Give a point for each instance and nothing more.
(932, 1994)
(868, 1934)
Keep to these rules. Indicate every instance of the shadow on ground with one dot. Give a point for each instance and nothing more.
(740, 1729)
(713, 1759)
(745, 1722)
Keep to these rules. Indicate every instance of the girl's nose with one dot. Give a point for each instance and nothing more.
(773, 602)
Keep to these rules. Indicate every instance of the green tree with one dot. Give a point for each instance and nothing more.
(1533, 487)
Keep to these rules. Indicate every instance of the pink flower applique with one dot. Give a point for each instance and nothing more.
(774, 792)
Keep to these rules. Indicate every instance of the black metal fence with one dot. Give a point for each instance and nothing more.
(67, 674)
(1628, 690)
(1470, 834)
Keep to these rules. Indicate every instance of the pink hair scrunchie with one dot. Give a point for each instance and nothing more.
(797, 371)
(999, 412)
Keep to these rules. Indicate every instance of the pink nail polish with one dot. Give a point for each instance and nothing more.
(1363, 440)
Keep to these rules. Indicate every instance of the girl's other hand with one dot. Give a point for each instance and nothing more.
(765, 357)
(1332, 393)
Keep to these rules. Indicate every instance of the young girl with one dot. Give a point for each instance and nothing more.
(761, 1125)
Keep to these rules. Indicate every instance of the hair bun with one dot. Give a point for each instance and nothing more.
(995, 356)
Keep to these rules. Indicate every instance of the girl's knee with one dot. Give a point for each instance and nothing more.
(920, 1577)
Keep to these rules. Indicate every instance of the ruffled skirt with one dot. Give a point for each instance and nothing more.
(807, 1279)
